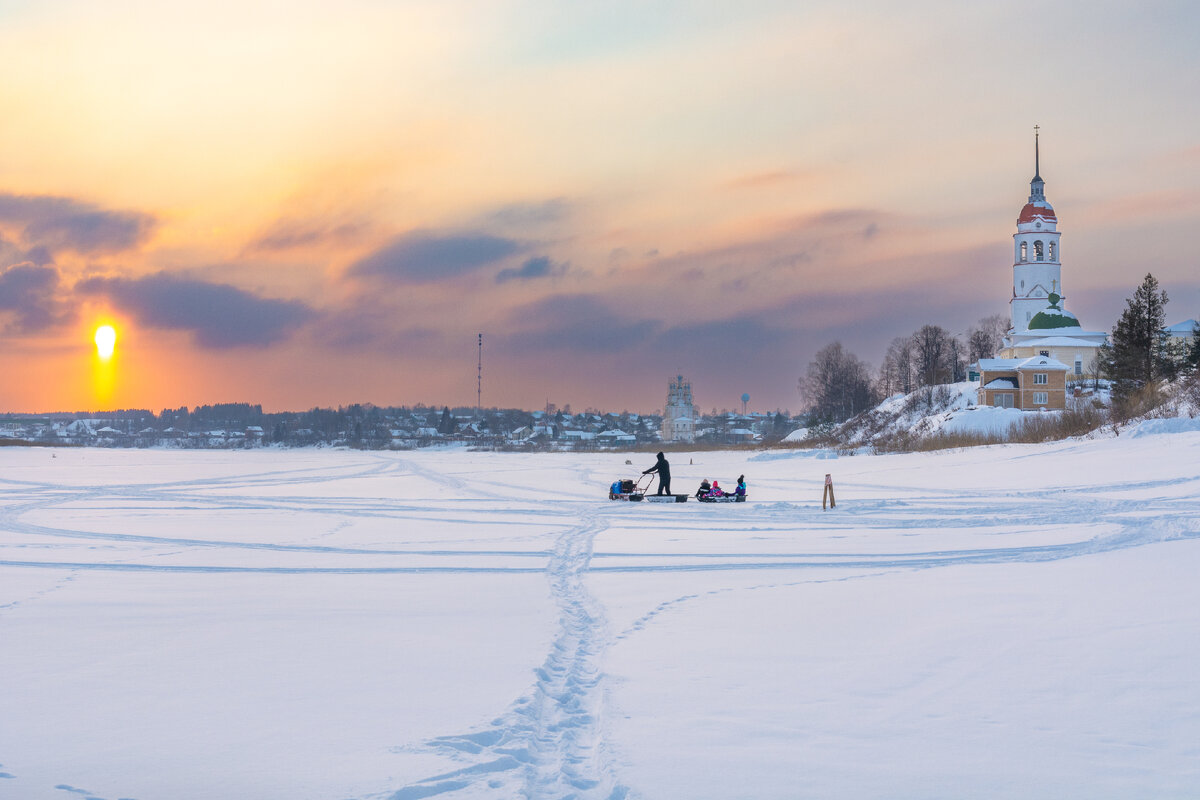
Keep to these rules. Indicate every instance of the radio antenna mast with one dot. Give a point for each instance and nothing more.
(479, 380)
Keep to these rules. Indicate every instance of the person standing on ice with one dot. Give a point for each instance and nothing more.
(663, 468)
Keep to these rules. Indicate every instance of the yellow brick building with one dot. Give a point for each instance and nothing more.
(1027, 384)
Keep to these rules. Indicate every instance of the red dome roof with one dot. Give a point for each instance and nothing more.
(1032, 211)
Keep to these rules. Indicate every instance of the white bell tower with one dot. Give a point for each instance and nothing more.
(1037, 252)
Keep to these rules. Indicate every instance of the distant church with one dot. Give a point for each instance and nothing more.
(1040, 324)
(679, 416)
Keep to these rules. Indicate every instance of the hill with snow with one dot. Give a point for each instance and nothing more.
(948, 415)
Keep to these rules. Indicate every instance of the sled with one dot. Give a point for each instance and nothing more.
(725, 498)
(665, 498)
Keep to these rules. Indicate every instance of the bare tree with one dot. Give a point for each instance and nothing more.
(1095, 367)
(888, 381)
(984, 340)
(935, 355)
(837, 384)
(896, 373)
(955, 362)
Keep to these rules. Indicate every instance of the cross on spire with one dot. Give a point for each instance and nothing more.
(1037, 193)
(1037, 169)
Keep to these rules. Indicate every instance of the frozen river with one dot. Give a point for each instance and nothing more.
(1019, 621)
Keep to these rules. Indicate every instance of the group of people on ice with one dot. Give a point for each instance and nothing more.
(663, 469)
(714, 489)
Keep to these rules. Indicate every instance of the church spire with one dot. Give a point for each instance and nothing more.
(1037, 186)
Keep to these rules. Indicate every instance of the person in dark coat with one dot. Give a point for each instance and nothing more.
(663, 468)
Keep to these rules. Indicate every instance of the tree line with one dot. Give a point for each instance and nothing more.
(1139, 356)
(838, 385)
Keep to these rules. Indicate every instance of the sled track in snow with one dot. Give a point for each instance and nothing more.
(1120, 524)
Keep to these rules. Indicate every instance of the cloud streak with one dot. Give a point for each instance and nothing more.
(66, 223)
(290, 234)
(537, 267)
(578, 322)
(219, 316)
(29, 296)
(426, 257)
(526, 215)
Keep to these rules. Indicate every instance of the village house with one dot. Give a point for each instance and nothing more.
(1027, 384)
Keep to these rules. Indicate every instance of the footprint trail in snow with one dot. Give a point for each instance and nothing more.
(550, 742)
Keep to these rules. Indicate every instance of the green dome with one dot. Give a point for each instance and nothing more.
(1053, 317)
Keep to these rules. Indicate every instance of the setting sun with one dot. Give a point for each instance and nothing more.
(106, 341)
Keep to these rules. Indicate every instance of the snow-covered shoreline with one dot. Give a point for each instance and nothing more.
(990, 622)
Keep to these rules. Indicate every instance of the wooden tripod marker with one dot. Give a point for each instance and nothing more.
(828, 493)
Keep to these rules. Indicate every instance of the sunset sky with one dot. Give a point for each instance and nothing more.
(302, 204)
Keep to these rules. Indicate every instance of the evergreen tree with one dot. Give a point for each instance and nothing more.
(1193, 353)
(779, 425)
(1136, 354)
(446, 425)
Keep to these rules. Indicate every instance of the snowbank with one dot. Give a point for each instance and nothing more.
(786, 455)
(978, 419)
(1154, 427)
(798, 435)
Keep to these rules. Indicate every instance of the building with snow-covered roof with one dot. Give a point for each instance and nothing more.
(1033, 383)
(617, 437)
(1057, 333)
(1179, 338)
(1182, 330)
(741, 435)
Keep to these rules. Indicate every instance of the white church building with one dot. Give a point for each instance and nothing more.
(1042, 333)
(1040, 324)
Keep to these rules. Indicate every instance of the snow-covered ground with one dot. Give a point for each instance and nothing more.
(946, 409)
(1021, 621)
